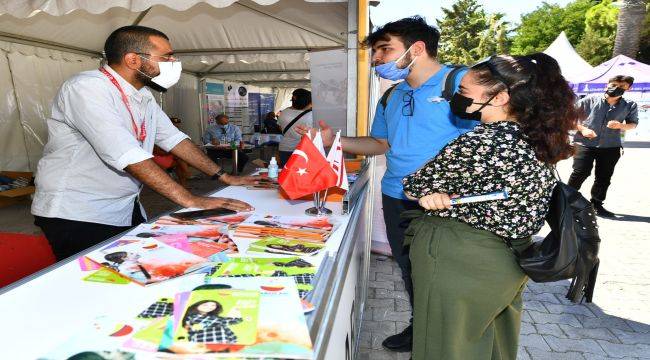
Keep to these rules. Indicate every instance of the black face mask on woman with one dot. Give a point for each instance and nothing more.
(460, 103)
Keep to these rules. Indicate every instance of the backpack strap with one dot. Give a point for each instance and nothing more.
(384, 98)
(294, 121)
(449, 81)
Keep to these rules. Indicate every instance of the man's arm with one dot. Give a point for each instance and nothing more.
(364, 145)
(186, 150)
(150, 174)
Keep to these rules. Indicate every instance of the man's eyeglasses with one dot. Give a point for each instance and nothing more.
(166, 58)
(409, 105)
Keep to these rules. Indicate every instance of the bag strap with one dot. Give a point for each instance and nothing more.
(449, 81)
(294, 121)
(384, 98)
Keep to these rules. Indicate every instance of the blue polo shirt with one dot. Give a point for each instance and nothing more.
(415, 139)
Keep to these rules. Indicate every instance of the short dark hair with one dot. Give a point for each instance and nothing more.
(409, 30)
(622, 78)
(129, 39)
(301, 99)
(220, 116)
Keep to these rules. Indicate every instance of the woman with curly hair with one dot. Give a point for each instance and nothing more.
(466, 280)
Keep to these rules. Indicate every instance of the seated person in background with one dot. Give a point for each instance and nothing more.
(298, 114)
(271, 124)
(168, 161)
(223, 133)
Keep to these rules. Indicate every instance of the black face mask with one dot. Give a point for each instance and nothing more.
(460, 103)
(614, 91)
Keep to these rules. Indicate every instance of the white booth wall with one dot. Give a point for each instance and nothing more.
(30, 78)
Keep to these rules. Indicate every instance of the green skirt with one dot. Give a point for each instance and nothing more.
(467, 287)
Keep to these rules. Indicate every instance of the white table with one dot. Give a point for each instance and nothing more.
(51, 306)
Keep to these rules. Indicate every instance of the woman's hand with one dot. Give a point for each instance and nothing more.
(436, 201)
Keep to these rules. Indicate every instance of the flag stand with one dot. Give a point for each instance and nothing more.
(319, 208)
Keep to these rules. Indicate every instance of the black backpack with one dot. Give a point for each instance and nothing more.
(447, 88)
(570, 250)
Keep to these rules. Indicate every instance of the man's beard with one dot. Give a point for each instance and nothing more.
(145, 75)
(406, 60)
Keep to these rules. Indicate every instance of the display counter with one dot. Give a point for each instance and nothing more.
(51, 306)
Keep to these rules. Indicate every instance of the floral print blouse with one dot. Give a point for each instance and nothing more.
(492, 157)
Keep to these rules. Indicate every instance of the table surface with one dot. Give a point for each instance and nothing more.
(49, 309)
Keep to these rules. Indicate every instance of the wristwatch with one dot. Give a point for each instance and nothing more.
(218, 175)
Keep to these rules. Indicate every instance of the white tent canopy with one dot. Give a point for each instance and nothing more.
(573, 66)
(257, 42)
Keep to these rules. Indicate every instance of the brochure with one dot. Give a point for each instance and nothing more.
(305, 228)
(148, 261)
(281, 246)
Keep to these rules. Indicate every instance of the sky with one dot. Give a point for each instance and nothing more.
(389, 10)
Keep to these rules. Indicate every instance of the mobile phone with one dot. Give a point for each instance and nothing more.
(197, 214)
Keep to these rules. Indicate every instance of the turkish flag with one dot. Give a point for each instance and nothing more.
(307, 171)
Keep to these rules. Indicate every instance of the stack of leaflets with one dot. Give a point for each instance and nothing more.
(281, 246)
(304, 228)
(147, 261)
(235, 318)
(300, 270)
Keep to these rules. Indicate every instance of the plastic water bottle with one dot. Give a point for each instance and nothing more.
(273, 168)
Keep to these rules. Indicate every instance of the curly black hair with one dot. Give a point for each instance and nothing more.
(541, 100)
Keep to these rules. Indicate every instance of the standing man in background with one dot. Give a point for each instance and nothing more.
(598, 138)
(101, 134)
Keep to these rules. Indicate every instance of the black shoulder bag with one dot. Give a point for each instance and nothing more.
(284, 131)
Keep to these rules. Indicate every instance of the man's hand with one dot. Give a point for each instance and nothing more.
(588, 133)
(325, 132)
(437, 201)
(613, 124)
(204, 202)
(240, 180)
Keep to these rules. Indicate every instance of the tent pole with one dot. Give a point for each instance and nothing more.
(363, 70)
(141, 16)
(352, 29)
(25, 40)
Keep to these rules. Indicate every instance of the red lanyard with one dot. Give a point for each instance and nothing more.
(143, 129)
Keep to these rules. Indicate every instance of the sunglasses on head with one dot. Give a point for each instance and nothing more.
(493, 70)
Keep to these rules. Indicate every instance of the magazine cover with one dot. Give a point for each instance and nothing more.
(281, 246)
(216, 317)
(305, 228)
(201, 240)
(148, 261)
(300, 270)
(281, 330)
(228, 220)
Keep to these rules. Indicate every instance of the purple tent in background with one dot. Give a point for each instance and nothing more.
(596, 80)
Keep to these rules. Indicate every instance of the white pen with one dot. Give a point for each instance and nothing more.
(497, 195)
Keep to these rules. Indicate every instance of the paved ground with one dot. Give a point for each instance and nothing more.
(615, 326)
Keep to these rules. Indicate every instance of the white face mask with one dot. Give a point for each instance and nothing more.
(170, 73)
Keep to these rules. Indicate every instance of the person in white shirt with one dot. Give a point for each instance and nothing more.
(101, 133)
(290, 118)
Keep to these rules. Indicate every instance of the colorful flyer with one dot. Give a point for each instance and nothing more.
(281, 246)
(228, 220)
(216, 316)
(201, 240)
(104, 275)
(148, 261)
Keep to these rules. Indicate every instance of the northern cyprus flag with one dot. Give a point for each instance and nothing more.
(335, 158)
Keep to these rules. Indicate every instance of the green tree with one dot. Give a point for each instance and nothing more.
(540, 27)
(468, 34)
(460, 32)
(644, 46)
(600, 31)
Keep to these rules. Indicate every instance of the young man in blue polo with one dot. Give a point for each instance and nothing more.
(411, 125)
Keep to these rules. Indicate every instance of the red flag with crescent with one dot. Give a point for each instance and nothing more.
(307, 171)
